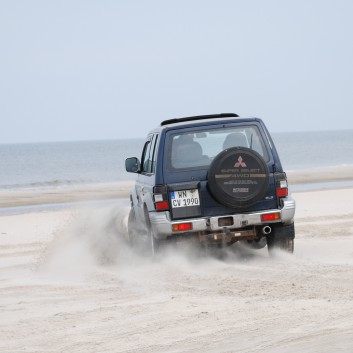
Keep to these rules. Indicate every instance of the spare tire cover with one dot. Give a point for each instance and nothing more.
(238, 177)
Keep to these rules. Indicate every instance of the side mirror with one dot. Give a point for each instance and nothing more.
(132, 165)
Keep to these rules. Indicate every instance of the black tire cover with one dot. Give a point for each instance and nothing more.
(238, 177)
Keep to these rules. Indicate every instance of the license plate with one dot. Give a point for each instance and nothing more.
(185, 198)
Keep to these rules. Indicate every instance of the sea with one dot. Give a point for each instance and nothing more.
(62, 164)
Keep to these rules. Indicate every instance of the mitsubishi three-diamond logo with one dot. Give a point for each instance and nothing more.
(240, 163)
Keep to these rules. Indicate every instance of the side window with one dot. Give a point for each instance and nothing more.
(145, 156)
(149, 155)
(154, 156)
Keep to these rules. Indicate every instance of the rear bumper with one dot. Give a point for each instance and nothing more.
(162, 223)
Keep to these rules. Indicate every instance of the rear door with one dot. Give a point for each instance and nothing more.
(190, 153)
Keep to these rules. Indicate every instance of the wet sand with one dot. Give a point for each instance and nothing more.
(320, 175)
(46, 196)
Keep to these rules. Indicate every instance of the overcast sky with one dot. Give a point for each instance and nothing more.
(82, 70)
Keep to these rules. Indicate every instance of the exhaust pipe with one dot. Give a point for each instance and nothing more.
(266, 230)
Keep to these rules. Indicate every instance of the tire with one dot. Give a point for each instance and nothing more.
(132, 228)
(286, 245)
(281, 238)
(238, 177)
(141, 236)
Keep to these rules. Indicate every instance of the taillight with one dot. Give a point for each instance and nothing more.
(281, 184)
(161, 206)
(268, 217)
(160, 198)
(179, 227)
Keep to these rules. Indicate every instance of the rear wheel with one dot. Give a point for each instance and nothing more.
(281, 238)
(141, 236)
(154, 246)
(281, 244)
(132, 227)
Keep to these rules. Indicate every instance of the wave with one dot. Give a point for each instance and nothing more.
(48, 184)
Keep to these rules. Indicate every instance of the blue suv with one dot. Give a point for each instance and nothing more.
(215, 179)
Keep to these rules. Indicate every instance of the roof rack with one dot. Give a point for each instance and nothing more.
(199, 117)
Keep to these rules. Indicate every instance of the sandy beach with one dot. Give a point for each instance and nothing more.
(69, 283)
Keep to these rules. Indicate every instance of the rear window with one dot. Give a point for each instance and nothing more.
(190, 150)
